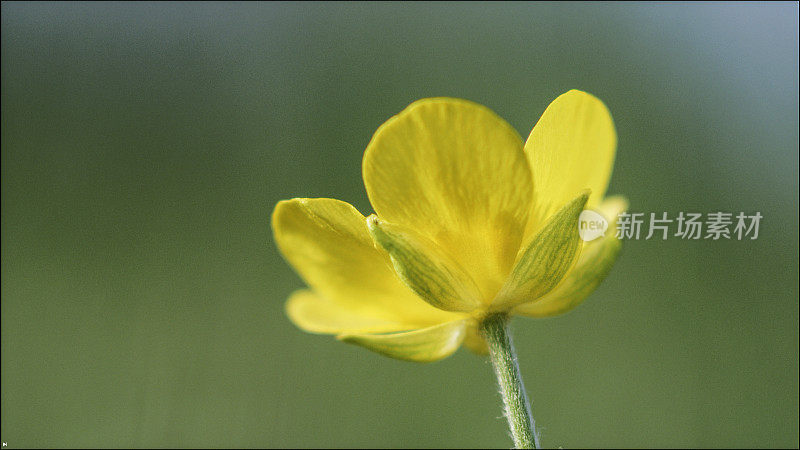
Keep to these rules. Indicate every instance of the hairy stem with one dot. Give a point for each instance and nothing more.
(504, 358)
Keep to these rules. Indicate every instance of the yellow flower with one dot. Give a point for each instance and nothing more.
(469, 221)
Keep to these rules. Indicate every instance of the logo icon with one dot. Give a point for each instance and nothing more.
(591, 225)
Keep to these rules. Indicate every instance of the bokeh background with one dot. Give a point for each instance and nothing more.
(144, 147)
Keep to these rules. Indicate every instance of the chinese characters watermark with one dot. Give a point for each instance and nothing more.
(714, 226)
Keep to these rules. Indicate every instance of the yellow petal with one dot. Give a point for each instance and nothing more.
(474, 341)
(317, 314)
(611, 208)
(425, 268)
(546, 259)
(571, 148)
(593, 265)
(455, 172)
(424, 345)
(328, 243)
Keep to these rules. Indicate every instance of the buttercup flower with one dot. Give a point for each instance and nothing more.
(470, 221)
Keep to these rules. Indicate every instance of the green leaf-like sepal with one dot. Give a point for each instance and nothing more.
(423, 345)
(425, 268)
(546, 259)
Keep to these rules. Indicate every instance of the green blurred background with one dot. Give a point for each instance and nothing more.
(145, 145)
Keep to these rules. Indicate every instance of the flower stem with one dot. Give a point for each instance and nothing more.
(504, 359)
